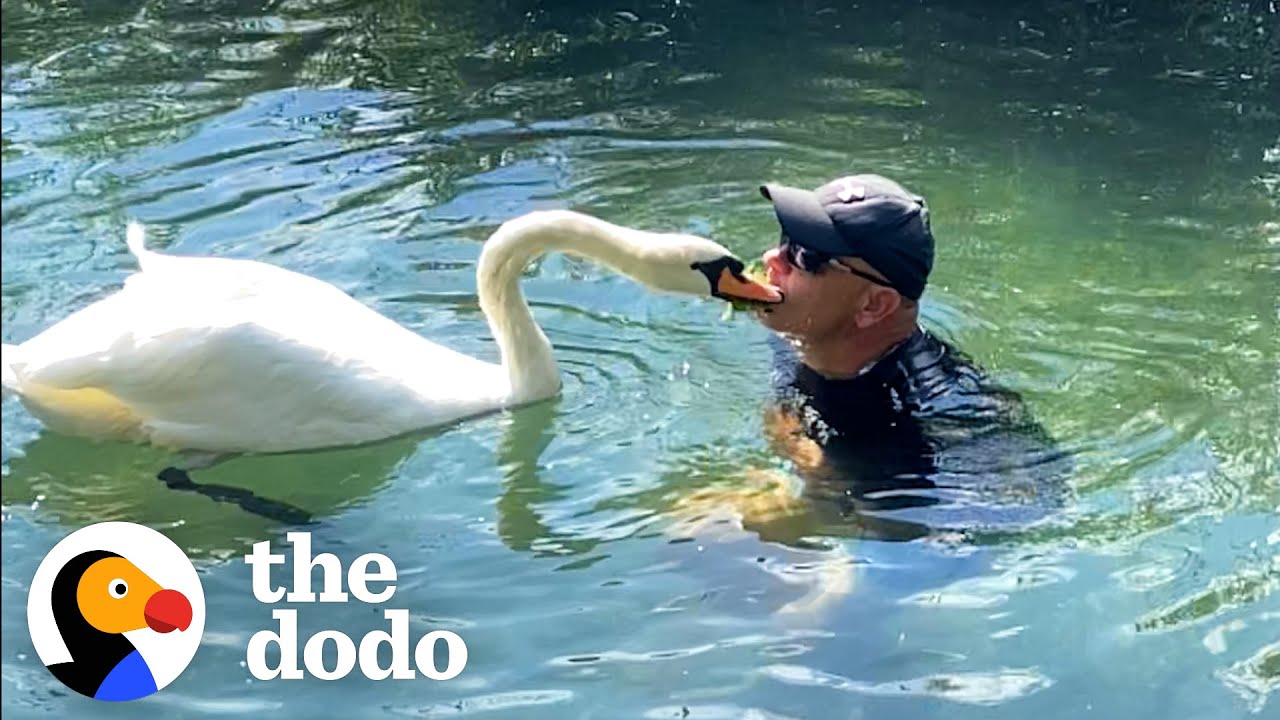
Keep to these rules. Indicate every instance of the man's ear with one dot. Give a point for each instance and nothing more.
(879, 304)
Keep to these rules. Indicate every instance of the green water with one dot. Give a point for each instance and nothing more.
(1105, 189)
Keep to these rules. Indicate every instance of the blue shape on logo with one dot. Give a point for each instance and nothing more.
(130, 679)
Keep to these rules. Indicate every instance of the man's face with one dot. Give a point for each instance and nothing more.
(818, 305)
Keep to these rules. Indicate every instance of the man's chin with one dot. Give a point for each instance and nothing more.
(775, 317)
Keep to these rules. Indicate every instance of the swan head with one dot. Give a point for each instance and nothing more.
(671, 262)
(692, 265)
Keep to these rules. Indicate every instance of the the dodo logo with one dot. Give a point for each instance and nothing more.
(116, 611)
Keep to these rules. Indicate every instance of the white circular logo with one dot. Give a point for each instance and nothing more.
(116, 611)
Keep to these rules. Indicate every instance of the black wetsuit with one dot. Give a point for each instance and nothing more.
(921, 441)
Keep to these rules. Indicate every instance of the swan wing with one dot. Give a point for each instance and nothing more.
(240, 356)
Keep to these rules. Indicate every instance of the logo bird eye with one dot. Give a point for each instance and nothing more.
(118, 588)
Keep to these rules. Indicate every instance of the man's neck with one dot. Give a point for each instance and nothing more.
(851, 354)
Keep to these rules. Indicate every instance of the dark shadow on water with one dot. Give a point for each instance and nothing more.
(75, 482)
(282, 512)
(220, 511)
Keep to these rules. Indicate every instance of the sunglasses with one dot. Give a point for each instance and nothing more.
(812, 261)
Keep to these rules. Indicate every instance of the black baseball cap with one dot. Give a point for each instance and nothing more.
(865, 216)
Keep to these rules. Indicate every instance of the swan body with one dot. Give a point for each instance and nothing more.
(218, 355)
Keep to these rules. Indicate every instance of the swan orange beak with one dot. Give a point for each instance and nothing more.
(738, 287)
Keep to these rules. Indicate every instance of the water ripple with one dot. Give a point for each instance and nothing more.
(993, 590)
(773, 644)
(1151, 574)
(1243, 587)
(484, 703)
(975, 688)
(712, 712)
(1254, 679)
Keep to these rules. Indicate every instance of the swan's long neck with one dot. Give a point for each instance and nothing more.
(526, 353)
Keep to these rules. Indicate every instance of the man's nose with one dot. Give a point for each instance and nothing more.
(773, 260)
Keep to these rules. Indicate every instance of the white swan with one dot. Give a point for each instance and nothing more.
(225, 356)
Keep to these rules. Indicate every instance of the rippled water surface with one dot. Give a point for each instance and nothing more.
(1109, 245)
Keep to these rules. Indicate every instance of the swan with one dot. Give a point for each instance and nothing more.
(213, 357)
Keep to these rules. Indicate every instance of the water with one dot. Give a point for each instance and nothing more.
(1105, 197)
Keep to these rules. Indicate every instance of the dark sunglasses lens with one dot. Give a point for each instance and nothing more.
(799, 257)
(814, 261)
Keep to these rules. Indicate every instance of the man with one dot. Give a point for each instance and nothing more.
(880, 414)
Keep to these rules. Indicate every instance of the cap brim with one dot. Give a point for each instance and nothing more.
(803, 218)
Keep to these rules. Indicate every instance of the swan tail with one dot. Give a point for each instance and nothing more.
(135, 238)
(9, 356)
